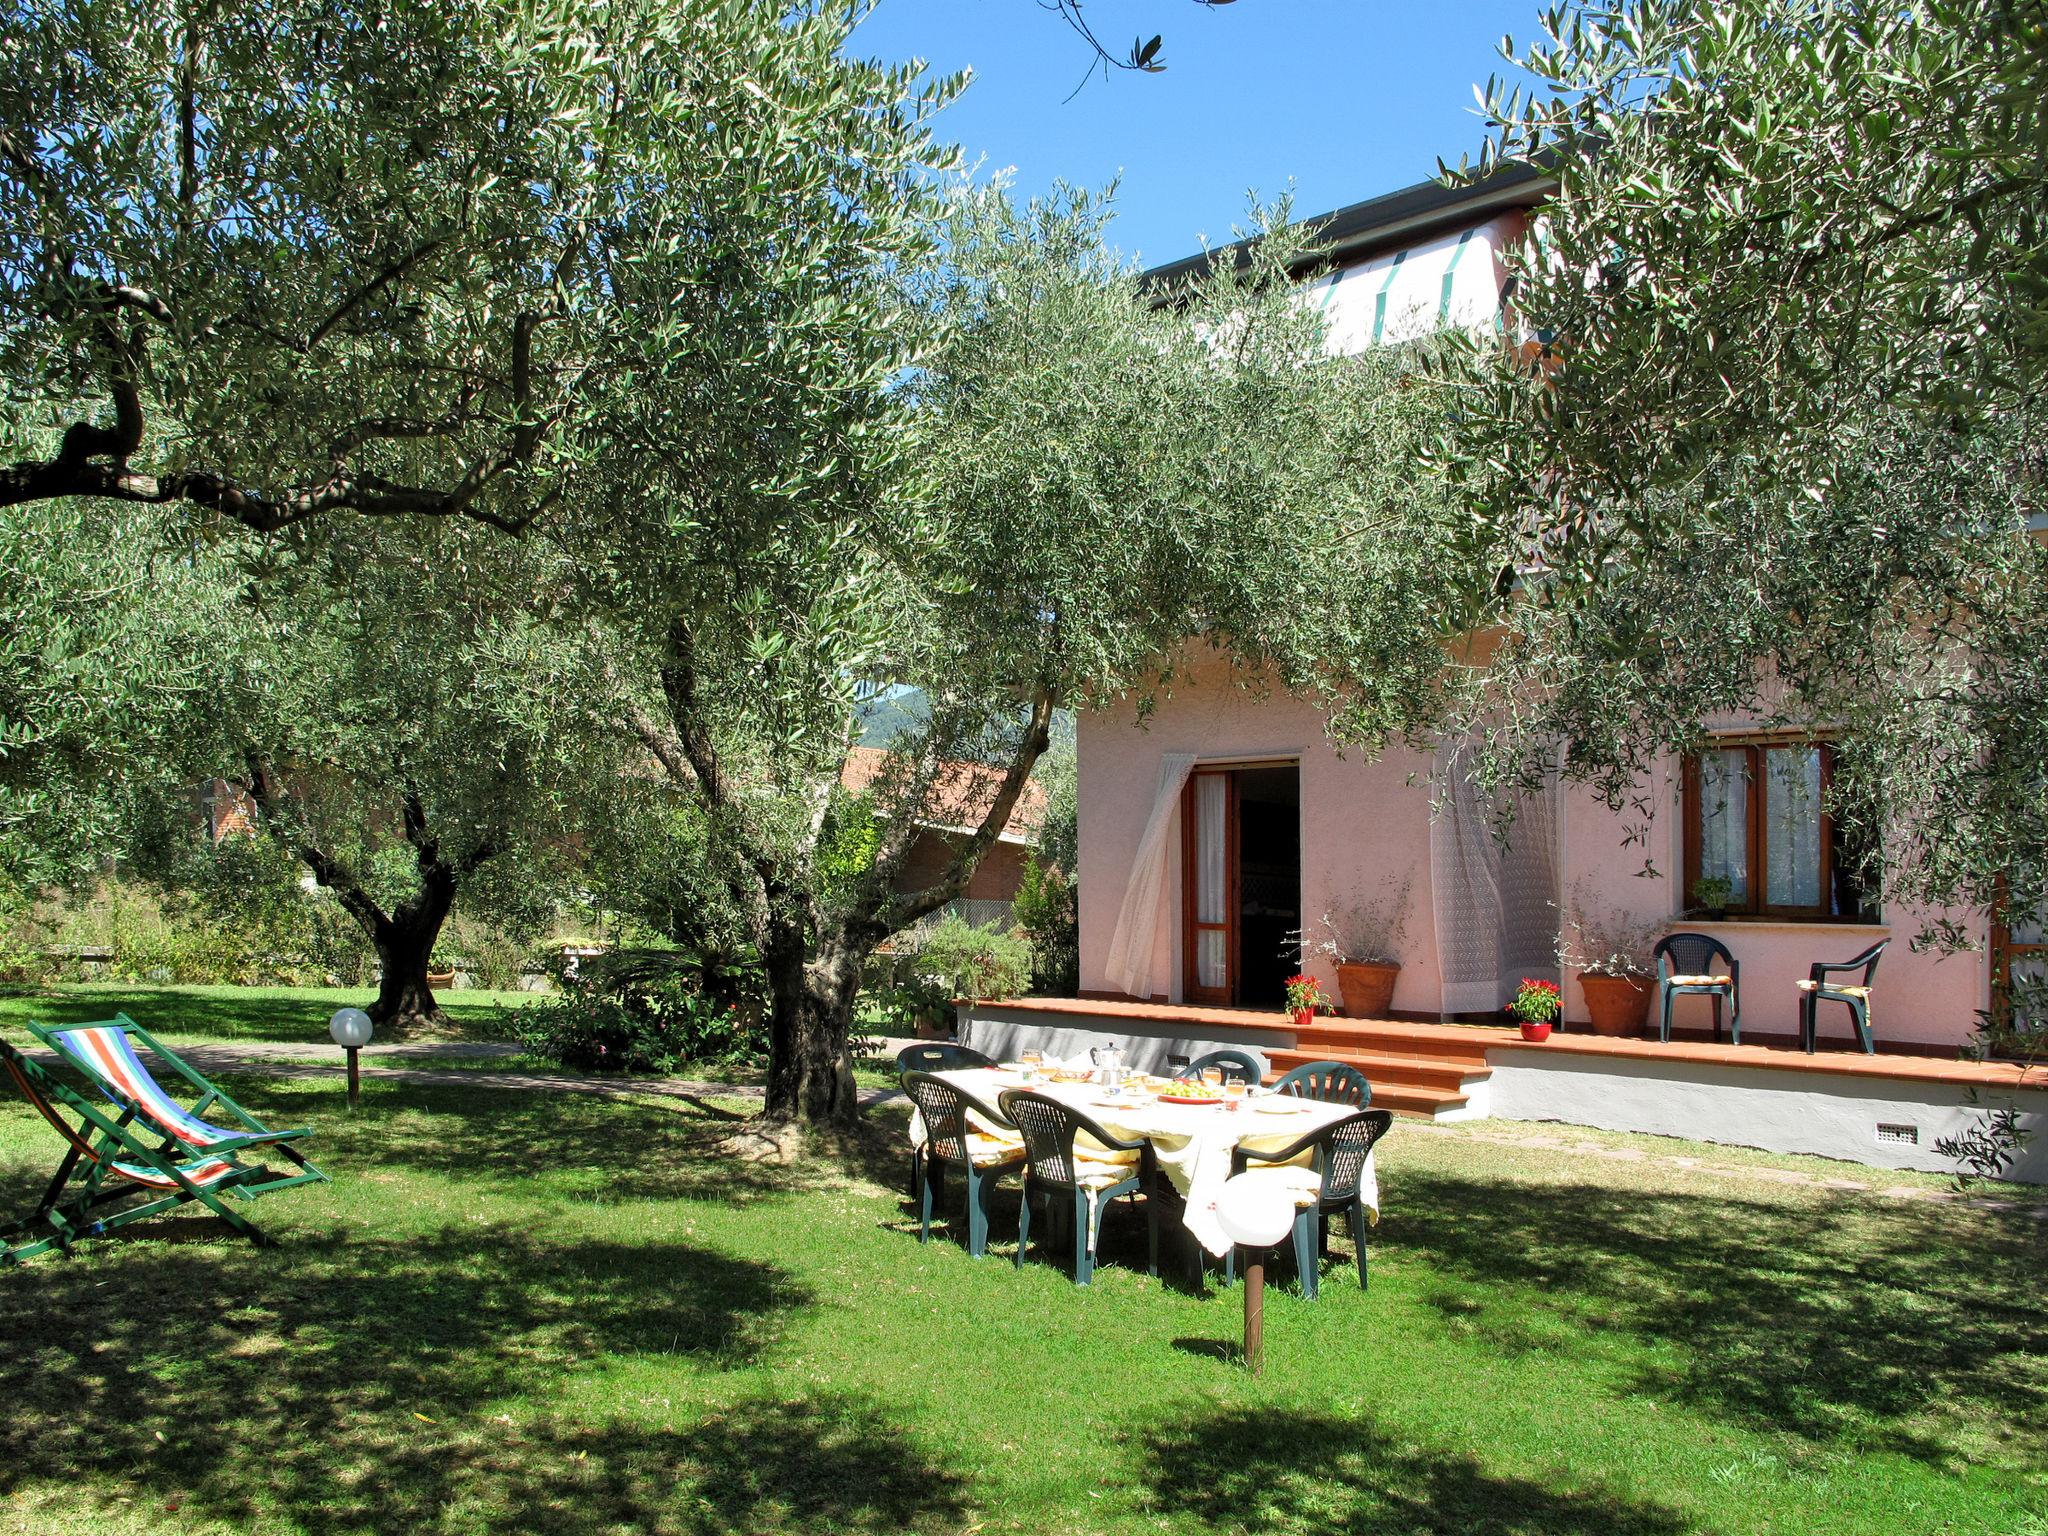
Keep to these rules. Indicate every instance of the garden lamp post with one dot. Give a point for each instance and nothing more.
(351, 1029)
(1255, 1218)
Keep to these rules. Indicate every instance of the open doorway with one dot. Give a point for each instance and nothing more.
(1241, 869)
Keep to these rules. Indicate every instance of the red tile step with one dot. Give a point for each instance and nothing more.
(1407, 1084)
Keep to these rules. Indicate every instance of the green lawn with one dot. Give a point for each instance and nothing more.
(193, 1015)
(556, 1314)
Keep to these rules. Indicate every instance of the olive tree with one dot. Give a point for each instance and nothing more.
(279, 261)
(404, 718)
(1771, 439)
(1076, 481)
(99, 650)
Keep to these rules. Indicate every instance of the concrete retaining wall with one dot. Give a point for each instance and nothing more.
(1779, 1111)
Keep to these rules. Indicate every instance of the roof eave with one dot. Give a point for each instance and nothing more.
(1362, 229)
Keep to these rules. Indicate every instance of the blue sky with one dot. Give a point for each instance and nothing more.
(1347, 98)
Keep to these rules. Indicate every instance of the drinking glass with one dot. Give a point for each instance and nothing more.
(1233, 1095)
(1213, 1076)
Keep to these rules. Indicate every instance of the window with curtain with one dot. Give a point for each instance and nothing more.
(2019, 943)
(1756, 816)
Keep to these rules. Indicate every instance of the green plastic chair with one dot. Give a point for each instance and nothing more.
(149, 1148)
(934, 1056)
(1071, 1180)
(1817, 989)
(1341, 1149)
(951, 1140)
(1333, 1082)
(1694, 956)
(1238, 1066)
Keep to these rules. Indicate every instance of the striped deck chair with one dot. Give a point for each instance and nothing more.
(149, 1145)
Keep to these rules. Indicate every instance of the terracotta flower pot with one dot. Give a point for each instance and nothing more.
(1367, 989)
(1617, 1005)
(1536, 1031)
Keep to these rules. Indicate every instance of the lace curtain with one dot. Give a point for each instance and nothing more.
(1495, 903)
(1145, 904)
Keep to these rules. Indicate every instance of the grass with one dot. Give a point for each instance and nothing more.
(216, 1015)
(560, 1314)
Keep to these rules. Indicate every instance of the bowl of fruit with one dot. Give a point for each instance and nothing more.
(1188, 1092)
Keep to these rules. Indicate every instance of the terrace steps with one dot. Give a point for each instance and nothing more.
(1414, 1070)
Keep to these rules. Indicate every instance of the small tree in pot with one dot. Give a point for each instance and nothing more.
(1610, 951)
(1711, 895)
(1363, 942)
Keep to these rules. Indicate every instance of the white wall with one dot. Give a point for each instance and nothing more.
(1776, 1109)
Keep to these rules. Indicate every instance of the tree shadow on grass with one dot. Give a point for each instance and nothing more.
(1273, 1470)
(346, 1385)
(1824, 1317)
(834, 1462)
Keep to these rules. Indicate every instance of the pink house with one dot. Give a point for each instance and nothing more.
(1226, 820)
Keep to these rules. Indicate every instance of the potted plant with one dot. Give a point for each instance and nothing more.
(1304, 997)
(1610, 951)
(1711, 894)
(1363, 942)
(1537, 1004)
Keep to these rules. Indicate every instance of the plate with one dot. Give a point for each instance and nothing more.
(1270, 1107)
(1169, 1098)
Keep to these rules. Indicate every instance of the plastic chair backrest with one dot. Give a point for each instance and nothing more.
(1692, 954)
(1049, 1128)
(1342, 1149)
(1333, 1082)
(1238, 1066)
(939, 1056)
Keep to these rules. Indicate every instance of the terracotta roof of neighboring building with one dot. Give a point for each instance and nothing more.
(960, 796)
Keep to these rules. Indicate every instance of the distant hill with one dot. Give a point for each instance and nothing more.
(890, 715)
(900, 711)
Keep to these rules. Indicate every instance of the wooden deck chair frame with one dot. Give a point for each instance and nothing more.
(115, 1153)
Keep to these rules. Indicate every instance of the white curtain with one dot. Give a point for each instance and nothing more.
(1495, 904)
(1212, 804)
(1144, 907)
(1792, 827)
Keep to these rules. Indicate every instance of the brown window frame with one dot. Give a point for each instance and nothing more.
(1756, 905)
(1191, 929)
(2003, 950)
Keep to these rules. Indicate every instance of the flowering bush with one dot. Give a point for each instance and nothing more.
(1537, 1001)
(1305, 992)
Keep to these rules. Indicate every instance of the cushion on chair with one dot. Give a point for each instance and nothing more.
(1304, 1186)
(989, 1151)
(1702, 981)
(1829, 986)
(1099, 1170)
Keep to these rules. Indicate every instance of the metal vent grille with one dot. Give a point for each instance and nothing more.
(1898, 1135)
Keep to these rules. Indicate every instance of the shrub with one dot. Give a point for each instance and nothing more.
(643, 1023)
(1047, 913)
(973, 962)
(896, 998)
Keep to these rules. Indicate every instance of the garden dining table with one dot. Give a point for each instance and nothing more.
(1193, 1143)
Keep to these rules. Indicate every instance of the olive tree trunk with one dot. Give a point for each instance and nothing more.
(810, 1030)
(405, 946)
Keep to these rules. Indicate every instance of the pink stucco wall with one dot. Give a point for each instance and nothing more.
(1364, 821)
(1361, 820)
(1925, 998)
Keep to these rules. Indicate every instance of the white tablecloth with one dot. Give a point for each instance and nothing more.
(1193, 1143)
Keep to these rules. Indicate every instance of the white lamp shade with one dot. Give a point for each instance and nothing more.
(1254, 1213)
(351, 1028)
